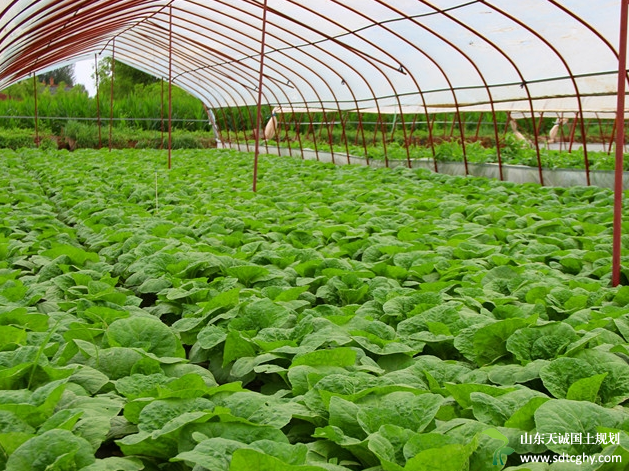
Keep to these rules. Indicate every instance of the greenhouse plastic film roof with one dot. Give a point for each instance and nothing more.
(381, 55)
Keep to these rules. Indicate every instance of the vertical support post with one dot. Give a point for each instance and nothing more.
(161, 146)
(36, 111)
(286, 123)
(170, 84)
(393, 126)
(375, 130)
(360, 131)
(96, 77)
(311, 129)
(578, 116)
(404, 135)
(573, 130)
(329, 125)
(536, 140)
(228, 122)
(612, 136)
(409, 141)
(480, 120)
(360, 128)
(586, 126)
(111, 92)
(431, 141)
(344, 120)
(462, 132)
(586, 158)
(298, 121)
(324, 120)
(454, 118)
(620, 142)
(507, 123)
(259, 108)
(497, 137)
(383, 130)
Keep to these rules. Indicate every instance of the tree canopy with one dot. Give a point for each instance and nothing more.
(62, 74)
(126, 79)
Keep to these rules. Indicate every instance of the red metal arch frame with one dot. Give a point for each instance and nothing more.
(211, 69)
(325, 65)
(34, 55)
(515, 68)
(243, 75)
(572, 79)
(452, 89)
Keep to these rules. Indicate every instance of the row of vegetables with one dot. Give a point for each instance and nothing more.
(341, 318)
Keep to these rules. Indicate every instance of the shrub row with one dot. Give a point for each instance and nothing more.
(76, 135)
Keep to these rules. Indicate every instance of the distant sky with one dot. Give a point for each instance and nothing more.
(83, 71)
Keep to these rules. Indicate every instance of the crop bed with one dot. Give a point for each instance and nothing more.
(341, 318)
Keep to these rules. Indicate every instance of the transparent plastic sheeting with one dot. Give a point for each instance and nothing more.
(386, 56)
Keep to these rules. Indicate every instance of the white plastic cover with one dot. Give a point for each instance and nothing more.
(381, 55)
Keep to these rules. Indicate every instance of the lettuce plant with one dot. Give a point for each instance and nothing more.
(341, 318)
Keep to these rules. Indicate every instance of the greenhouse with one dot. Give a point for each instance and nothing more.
(401, 247)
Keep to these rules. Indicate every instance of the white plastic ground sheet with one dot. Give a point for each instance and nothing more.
(384, 55)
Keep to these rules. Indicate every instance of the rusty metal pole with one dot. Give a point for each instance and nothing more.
(620, 142)
(454, 117)
(161, 145)
(311, 117)
(111, 93)
(431, 139)
(170, 84)
(100, 137)
(230, 122)
(539, 157)
(298, 121)
(36, 112)
(462, 133)
(611, 139)
(573, 130)
(259, 108)
(497, 138)
(344, 134)
(480, 120)
(329, 124)
(586, 160)
(383, 131)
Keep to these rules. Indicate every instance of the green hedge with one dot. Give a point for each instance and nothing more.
(77, 135)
